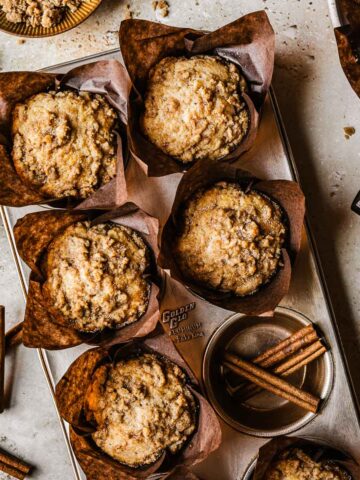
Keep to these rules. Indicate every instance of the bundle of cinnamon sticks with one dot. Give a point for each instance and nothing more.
(265, 371)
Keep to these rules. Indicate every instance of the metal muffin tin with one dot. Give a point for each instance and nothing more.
(193, 323)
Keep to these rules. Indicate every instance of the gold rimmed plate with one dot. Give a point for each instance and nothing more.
(69, 21)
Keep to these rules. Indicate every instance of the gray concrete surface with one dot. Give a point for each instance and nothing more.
(316, 103)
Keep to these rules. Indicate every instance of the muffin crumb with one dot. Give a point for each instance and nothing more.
(162, 6)
(128, 12)
(349, 132)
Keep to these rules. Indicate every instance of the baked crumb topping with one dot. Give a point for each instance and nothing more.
(194, 107)
(294, 464)
(45, 13)
(95, 275)
(64, 143)
(142, 407)
(230, 239)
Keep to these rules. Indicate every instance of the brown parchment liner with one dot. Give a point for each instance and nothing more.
(249, 42)
(44, 326)
(317, 451)
(348, 42)
(286, 193)
(70, 393)
(105, 77)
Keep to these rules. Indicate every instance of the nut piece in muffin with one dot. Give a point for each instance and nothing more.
(294, 464)
(45, 13)
(95, 275)
(194, 108)
(229, 239)
(142, 407)
(64, 143)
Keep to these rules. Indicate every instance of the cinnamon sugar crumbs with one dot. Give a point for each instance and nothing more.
(161, 6)
(349, 132)
(128, 12)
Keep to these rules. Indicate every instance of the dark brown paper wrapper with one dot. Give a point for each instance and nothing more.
(249, 42)
(105, 77)
(317, 451)
(70, 393)
(348, 42)
(349, 12)
(44, 326)
(286, 193)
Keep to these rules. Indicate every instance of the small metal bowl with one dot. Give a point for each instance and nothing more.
(264, 415)
(69, 21)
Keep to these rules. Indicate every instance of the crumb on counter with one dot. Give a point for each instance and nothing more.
(349, 132)
(161, 6)
(128, 12)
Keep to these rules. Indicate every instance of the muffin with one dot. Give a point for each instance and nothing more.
(96, 276)
(35, 13)
(295, 464)
(141, 407)
(229, 239)
(194, 109)
(64, 143)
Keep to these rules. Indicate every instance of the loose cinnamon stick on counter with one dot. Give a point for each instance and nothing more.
(286, 368)
(13, 336)
(271, 382)
(12, 471)
(2, 358)
(13, 466)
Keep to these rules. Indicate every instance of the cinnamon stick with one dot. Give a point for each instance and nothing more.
(2, 358)
(306, 361)
(281, 350)
(293, 364)
(13, 466)
(13, 336)
(271, 382)
(12, 471)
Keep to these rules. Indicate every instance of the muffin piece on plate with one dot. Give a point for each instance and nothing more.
(96, 275)
(64, 143)
(35, 13)
(142, 407)
(230, 239)
(194, 108)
